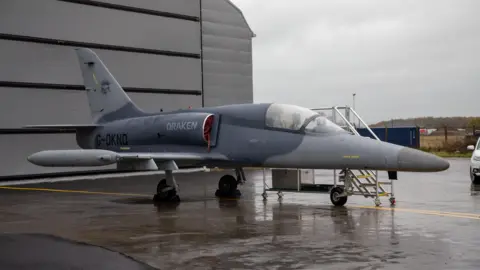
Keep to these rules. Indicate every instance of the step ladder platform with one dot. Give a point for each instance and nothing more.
(316, 188)
(373, 184)
(363, 182)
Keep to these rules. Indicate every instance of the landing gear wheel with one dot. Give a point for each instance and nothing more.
(377, 202)
(165, 193)
(264, 195)
(227, 187)
(161, 185)
(335, 197)
(280, 195)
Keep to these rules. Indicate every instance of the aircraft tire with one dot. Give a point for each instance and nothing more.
(227, 186)
(165, 193)
(161, 185)
(334, 197)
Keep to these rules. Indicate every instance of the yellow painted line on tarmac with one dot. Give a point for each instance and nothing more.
(426, 212)
(74, 191)
(418, 211)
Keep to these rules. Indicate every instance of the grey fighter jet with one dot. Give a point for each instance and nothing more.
(268, 135)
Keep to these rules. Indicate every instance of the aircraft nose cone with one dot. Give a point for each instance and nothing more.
(417, 160)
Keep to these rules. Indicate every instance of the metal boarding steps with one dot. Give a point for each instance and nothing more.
(367, 187)
(355, 182)
(358, 182)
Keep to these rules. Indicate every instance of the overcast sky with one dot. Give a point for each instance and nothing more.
(403, 58)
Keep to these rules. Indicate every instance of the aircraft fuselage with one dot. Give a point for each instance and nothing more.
(245, 140)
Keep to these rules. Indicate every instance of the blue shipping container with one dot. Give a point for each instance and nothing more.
(404, 136)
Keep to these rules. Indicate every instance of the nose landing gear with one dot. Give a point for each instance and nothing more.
(337, 196)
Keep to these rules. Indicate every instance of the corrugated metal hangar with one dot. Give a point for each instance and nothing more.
(167, 54)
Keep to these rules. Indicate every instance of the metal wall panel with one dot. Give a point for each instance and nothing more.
(220, 42)
(20, 146)
(21, 106)
(219, 67)
(185, 7)
(236, 81)
(227, 63)
(45, 63)
(227, 54)
(225, 30)
(84, 23)
(222, 6)
(221, 16)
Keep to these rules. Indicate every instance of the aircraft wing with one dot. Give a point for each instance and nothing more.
(165, 160)
(63, 127)
(169, 156)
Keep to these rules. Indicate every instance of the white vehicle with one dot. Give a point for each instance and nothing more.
(475, 162)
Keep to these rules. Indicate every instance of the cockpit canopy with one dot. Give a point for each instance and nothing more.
(296, 118)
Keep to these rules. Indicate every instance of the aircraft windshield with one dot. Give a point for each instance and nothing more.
(322, 125)
(287, 116)
(293, 117)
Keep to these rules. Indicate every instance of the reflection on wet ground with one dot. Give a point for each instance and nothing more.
(434, 225)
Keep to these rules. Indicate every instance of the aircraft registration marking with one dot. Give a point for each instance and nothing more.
(112, 139)
(351, 156)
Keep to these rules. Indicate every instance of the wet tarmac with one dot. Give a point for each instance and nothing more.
(433, 226)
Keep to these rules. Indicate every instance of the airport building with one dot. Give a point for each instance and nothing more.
(167, 54)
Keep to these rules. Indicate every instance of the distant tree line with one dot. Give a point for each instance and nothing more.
(433, 122)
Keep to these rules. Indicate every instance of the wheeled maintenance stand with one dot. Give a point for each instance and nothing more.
(346, 182)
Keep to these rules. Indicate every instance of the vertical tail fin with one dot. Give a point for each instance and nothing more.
(107, 99)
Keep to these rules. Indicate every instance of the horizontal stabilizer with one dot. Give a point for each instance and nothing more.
(64, 127)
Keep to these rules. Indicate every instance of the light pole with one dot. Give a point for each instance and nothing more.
(353, 95)
(353, 106)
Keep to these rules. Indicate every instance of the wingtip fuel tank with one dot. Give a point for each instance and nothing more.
(73, 158)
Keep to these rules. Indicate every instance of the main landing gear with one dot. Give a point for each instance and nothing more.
(227, 186)
(167, 188)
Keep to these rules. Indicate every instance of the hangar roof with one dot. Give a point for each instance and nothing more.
(243, 16)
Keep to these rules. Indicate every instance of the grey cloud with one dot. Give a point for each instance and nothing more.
(402, 58)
